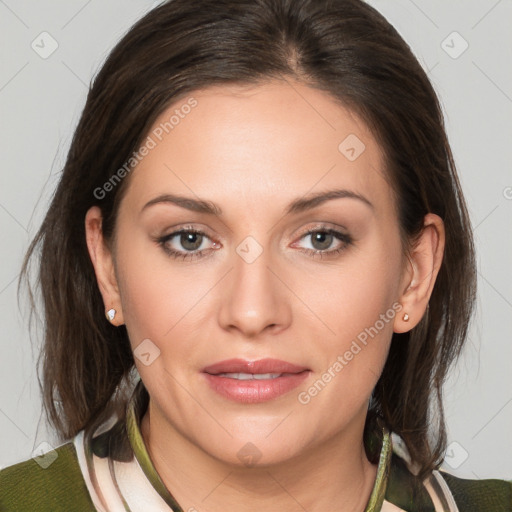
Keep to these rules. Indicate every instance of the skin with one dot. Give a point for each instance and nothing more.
(253, 150)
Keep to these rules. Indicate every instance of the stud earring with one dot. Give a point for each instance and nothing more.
(405, 318)
(111, 313)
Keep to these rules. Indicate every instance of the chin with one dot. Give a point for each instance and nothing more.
(258, 445)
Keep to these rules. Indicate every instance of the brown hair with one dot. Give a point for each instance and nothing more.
(343, 47)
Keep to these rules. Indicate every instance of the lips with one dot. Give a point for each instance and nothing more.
(254, 381)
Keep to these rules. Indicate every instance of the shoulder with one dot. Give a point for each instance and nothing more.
(476, 495)
(444, 491)
(50, 482)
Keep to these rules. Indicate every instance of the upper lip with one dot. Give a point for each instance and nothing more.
(255, 367)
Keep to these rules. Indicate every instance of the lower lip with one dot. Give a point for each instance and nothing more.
(255, 391)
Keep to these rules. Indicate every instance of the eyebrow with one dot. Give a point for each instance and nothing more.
(297, 206)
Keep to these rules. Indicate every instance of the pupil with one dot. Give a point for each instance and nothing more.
(325, 240)
(188, 238)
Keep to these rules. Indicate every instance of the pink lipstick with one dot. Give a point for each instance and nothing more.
(254, 381)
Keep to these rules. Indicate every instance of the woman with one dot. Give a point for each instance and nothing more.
(256, 270)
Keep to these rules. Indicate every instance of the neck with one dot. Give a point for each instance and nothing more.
(335, 475)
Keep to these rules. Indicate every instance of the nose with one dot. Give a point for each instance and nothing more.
(254, 298)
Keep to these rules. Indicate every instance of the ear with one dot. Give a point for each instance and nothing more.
(420, 276)
(102, 260)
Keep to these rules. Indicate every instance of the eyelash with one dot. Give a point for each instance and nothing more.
(162, 241)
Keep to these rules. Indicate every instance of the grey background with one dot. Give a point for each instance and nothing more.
(41, 99)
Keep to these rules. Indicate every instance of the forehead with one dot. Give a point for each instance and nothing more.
(249, 141)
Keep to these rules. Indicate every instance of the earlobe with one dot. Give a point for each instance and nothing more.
(423, 267)
(102, 260)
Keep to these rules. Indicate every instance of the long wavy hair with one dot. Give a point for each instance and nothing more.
(343, 47)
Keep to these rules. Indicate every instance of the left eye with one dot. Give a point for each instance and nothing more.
(322, 240)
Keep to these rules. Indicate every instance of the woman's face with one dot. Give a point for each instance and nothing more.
(307, 287)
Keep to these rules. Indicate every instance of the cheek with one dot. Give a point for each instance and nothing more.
(364, 286)
(360, 310)
(157, 297)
